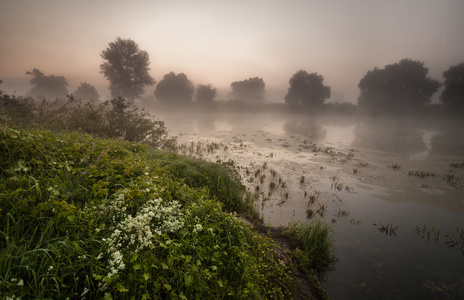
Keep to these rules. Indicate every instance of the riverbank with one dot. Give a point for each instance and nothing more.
(90, 218)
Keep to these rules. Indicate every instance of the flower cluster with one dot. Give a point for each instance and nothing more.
(135, 233)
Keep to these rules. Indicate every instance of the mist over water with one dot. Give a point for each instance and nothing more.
(385, 217)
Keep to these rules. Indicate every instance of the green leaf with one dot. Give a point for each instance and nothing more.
(71, 218)
(137, 266)
(134, 257)
(146, 276)
(108, 296)
(188, 279)
(164, 265)
(121, 288)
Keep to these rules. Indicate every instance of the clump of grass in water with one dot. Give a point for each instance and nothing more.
(302, 179)
(457, 165)
(454, 239)
(314, 245)
(395, 166)
(452, 180)
(421, 174)
(362, 164)
(388, 229)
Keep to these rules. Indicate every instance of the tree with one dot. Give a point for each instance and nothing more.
(174, 89)
(205, 93)
(86, 92)
(47, 86)
(403, 86)
(453, 94)
(307, 90)
(248, 90)
(126, 67)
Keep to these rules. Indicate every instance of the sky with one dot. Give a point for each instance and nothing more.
(218, 42)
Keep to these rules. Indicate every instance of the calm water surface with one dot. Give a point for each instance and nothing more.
(378, 214)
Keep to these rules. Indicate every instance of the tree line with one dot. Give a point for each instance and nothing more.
(402, 86)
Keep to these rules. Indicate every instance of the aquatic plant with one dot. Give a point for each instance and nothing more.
(342, 213)
(362, 164)
(302, 179)
(388, 229)
(453, 239)
(309, 213)
(451, 179)
(458, 165)
(336, 185)
(421, 174)
(395, 166)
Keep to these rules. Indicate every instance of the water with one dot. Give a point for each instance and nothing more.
(358, 156)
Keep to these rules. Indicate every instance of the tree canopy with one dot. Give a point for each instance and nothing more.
(205, 93)
(307, 90)
(249, 90)
(174, 89)
(50, 86)
(86, 91)
(398, 87)
(126, 66)
(453, 94)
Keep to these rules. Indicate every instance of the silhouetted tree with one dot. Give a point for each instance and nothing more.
(86, 92)
(307, 90)
(248, 90)
(205, 93)
(125, 65)
(453, 94)
(174, 89)
(403, 86)
(47, 86)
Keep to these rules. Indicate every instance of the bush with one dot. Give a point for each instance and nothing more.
(117, 118)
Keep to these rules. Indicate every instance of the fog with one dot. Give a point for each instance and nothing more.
(351, 110)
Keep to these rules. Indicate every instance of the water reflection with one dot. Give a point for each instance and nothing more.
(308, 128)
(389, 137)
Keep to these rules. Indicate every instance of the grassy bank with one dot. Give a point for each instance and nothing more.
(86, 217)
(82, 216)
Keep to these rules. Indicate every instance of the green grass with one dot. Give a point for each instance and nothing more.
(314, 245)
(86, 217)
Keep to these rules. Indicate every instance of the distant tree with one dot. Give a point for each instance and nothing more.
(403, 86)
(86, 92)
(453, 94)
(205, 93)
(307, 90)
(248, 90)
(126, 67)
(174, 89)
(50, 86)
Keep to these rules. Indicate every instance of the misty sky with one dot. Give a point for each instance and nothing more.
(219, 42)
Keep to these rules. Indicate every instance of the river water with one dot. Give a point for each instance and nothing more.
(392, 191)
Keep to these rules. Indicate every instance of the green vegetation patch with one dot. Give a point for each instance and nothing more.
(83, 217)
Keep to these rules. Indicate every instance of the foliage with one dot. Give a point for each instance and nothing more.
(47, 86)
(314, 243)
(88, 218)
(402, 86)
(453, 94)
(126, 66)
(222, 182)
(117, 118)
(248, 90)
(174, 89)
(307, 90)
(87, 92)
(205, 93)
